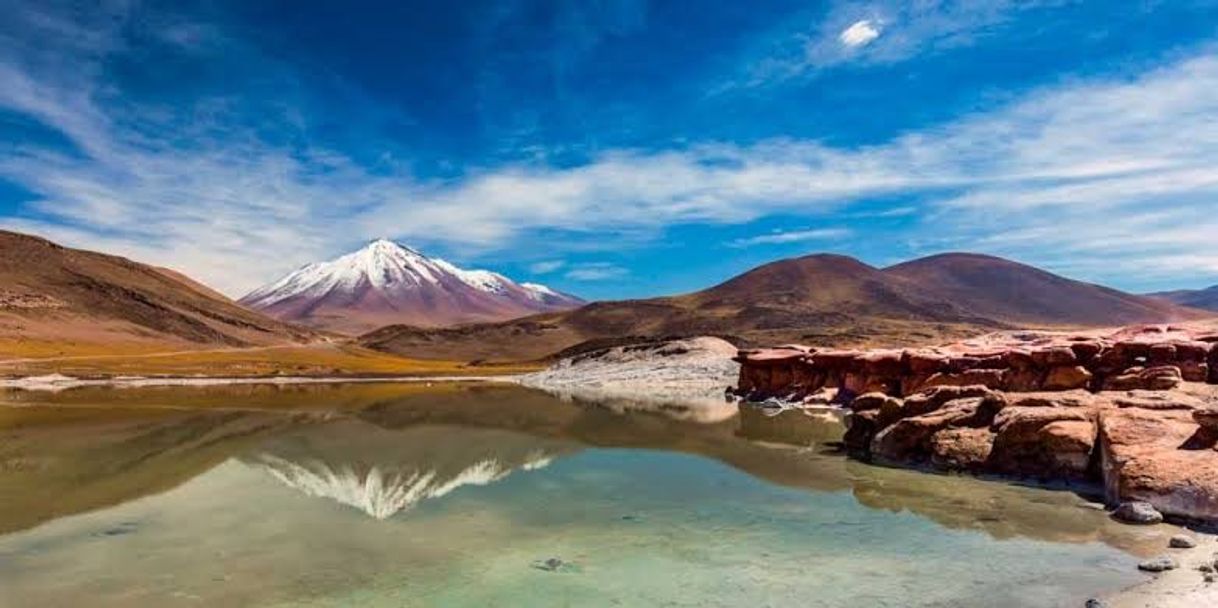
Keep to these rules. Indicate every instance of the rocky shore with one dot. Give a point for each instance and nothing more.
(1133, 411)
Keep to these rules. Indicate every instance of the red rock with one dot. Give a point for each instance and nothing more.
(961, 449)
(836, 360)
(990, 378)
(860, 429)
(1193, 371)
(1054, 356)
(1050, 442)
(1145, 457)
(907, 440)
(871, 401)
(1207, 418)
(934, 398)
(1024, 380)
(883, 363)
(770, 356)
(1020, 359)
(1154, 379)
(1193, 351)
(1161, 354)
(926, 363)
(1076, 398)
(1067, 378)
(1085, 351)
(962, 363)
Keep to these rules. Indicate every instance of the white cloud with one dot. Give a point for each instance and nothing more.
(1102, 178)
(546, 267)
(860, 33)
(596, 271)
(780, 237)
(873, 32)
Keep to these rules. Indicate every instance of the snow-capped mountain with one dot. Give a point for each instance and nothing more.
(386, 283)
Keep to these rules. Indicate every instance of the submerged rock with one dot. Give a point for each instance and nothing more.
(552, 564)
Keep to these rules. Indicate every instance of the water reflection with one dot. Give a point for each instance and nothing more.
(383, 473)
(408, 495)
(383, 448)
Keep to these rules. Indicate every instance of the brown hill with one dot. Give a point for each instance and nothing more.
(52, 295)
(824, 299)
(1017, 293)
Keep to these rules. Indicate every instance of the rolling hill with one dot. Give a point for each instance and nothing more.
(51, 295)
(823, 299)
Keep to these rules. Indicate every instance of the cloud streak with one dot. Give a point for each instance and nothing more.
(1100, 178)
(794, 236)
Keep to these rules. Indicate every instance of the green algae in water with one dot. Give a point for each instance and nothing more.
(408, 504)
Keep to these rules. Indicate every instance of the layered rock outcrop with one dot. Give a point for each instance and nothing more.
(1135, 410)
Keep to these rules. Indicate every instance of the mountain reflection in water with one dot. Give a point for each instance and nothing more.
(437, 480)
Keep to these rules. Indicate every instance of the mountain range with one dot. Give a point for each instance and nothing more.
(1206, 299)
(60, 296)
(820, 299)
(386, 283)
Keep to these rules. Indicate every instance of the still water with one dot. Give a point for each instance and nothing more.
(475, 495)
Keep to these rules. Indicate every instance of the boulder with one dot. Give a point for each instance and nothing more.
(1135, 512)
(1025, 380)
(871, 401)
(922, 362)
(1161, 354)
(1162, 563)
(1064, 378)
(1162, 378)
(1207, 418)
(1086, 350)
(1153, 456)
(933, 398)
(908, 439)
(1054, 356)
(861, 427)
(1045, 442)
(989, 378)
(961, 449)
(1182, 541)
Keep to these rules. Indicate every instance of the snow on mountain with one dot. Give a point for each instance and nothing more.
(386, 283)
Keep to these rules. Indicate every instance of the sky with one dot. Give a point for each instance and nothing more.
(617, 148)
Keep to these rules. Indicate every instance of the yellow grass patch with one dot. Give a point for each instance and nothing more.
(309, 360)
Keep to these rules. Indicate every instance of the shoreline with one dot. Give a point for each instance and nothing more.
(59, 382)
(1183, 587)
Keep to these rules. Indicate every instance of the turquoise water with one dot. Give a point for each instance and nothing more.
(506, 497)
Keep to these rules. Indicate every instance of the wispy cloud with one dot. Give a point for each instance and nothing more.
(547, 266)
(780, 237)
(596, 271)
(1096, 176)
(874, 32)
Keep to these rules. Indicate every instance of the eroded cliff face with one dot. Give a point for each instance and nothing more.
(1135, 410)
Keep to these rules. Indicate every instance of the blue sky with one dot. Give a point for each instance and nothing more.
(617, 148)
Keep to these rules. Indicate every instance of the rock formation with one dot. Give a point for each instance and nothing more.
(1135, 410)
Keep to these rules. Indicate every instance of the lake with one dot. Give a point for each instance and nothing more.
(490, 495)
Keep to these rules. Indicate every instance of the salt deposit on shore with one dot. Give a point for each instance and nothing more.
(683, 378)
